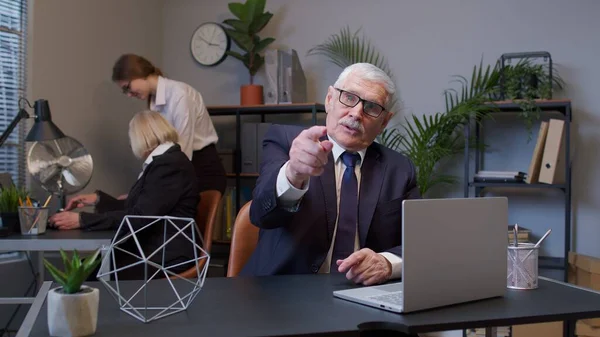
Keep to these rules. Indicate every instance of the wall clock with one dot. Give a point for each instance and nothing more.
(209, 44)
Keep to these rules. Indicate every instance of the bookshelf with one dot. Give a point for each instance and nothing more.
(263, 110)
(563, 107)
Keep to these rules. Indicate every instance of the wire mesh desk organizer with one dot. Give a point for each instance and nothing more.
(523, 263)
(33, 219)
(162, 292)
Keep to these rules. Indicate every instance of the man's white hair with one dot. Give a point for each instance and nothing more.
(370, 72)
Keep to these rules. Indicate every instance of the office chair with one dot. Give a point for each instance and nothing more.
(243, 241)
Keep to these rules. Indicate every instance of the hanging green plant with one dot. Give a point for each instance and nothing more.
(526, 82)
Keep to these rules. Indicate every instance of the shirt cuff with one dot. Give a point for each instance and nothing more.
(287, 193)
(396, 262)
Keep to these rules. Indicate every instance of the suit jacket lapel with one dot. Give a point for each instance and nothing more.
(372, 171)
(329, 194)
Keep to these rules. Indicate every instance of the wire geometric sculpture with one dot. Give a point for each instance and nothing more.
(142, 299)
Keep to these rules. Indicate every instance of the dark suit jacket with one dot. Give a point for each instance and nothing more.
(167, 187)
(298, 242)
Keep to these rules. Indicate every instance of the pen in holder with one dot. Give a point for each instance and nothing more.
(523, 264)
(33, 219)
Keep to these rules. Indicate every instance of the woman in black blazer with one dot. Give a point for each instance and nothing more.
(165, 187)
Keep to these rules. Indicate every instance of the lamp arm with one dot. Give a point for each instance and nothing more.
(20, 115)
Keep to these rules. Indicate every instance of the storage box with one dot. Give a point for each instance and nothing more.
(585, 330)
(551, 329)
(587, 273)
(584, 271)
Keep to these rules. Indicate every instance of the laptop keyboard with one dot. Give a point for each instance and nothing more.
(393, 298)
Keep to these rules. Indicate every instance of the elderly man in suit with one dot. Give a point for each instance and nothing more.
(328, 198)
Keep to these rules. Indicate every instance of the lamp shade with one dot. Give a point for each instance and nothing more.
(43, 128)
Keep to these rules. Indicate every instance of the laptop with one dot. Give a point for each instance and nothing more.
(453, 251)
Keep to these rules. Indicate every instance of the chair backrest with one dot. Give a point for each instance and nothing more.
(206, 215)
(243, 241)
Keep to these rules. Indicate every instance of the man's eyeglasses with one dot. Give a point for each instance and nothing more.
(351, 100)
(127, 88)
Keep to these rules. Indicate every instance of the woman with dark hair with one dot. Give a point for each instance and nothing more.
(183, 107)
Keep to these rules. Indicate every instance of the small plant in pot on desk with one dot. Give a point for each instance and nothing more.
(10, 200)
(73, 307)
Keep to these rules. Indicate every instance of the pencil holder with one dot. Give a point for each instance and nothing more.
(33, 220)
(523, 266)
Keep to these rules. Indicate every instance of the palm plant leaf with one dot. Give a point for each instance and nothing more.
(346, 48)
(430, 140)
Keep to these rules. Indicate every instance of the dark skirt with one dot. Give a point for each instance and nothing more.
(209, 169)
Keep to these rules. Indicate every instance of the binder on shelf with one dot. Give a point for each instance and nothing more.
(248, 148)
(536, 160)
(252, 135)
(285, 79)
(552, 169)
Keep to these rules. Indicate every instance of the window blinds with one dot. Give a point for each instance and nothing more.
(13, 47)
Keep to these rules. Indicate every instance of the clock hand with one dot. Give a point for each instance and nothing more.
(210, 44)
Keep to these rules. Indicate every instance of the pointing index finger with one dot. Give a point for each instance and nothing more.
(316, 132)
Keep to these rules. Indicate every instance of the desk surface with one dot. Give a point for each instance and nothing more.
(304, 304)
(53, 240)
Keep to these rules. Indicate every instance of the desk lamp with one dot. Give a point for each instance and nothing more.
(43, 128)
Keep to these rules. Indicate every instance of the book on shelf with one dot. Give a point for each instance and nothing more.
(499, 176)
(536, 160)
(523, 234)
(502, 331)
(227, 212)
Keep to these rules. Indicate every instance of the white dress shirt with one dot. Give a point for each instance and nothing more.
(162, 148)
(288, 195)
(184, 108)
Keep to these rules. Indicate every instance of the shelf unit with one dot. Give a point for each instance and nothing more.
(262, 110)
(563, 107)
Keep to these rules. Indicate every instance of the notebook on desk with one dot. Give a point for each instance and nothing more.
(453, 251)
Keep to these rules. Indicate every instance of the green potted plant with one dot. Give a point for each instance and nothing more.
(251, 19)
(526, 82)
(73, 307)
(10, 199)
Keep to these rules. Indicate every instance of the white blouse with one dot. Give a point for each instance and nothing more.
(184, 108)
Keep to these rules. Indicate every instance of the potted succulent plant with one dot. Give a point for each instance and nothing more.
(251, 19)
(73, 307)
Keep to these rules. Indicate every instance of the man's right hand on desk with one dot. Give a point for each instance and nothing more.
(82, 200)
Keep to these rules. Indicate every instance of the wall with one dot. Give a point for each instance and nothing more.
(426, 42)
(72, 46)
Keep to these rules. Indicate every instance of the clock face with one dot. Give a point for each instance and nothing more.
(209, 44)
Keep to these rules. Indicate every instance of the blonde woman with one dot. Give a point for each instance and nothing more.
(166, 186)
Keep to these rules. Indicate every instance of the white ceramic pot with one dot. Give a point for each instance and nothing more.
(73, 315)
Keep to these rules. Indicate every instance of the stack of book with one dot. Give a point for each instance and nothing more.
(500, 176)
(522, 234)
(502, 331)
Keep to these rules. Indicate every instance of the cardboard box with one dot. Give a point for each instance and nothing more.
(588, 272)
(585, 330)
(551, 329)
(584, 271)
